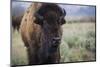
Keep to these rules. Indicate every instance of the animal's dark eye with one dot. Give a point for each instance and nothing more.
(38, 21)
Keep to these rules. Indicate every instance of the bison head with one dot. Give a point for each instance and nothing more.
(50, 17)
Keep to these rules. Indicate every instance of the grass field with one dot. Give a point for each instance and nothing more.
(78, 44)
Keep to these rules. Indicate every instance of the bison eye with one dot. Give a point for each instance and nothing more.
(38, 21)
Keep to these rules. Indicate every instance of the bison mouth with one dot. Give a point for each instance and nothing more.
(47, 50)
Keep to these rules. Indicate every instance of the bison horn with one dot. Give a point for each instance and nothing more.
(64, 12)
(63, 15)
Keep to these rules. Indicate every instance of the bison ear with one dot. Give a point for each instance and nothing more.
(62, 21)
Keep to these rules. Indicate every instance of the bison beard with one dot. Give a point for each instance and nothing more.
(47, 53)
(43, 34)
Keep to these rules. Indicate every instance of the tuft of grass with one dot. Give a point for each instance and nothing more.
(81, 54)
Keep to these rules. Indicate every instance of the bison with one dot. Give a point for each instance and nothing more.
(16, 20)
(41, 32)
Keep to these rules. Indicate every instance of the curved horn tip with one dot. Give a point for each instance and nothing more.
(64, 12)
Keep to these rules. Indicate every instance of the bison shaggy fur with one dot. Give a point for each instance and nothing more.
(41, 32)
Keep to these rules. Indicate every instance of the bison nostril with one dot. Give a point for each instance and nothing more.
(56, 40)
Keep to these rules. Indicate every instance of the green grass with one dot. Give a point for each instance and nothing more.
(19, 55)
(78, 44)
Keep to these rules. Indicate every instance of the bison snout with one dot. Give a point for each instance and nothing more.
(56, 41)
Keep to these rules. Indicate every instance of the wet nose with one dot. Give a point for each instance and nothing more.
(56, 40)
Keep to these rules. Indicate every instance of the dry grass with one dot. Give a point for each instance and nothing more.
(78, 44)
(19, 55)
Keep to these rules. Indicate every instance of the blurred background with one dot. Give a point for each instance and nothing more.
(79, 33)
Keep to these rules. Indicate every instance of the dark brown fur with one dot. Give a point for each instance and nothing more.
(38, 34)
(16, 20)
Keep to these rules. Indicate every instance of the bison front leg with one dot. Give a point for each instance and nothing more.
(32, 52)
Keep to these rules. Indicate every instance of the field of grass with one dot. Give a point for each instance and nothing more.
(18, 53)
(78, 44)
